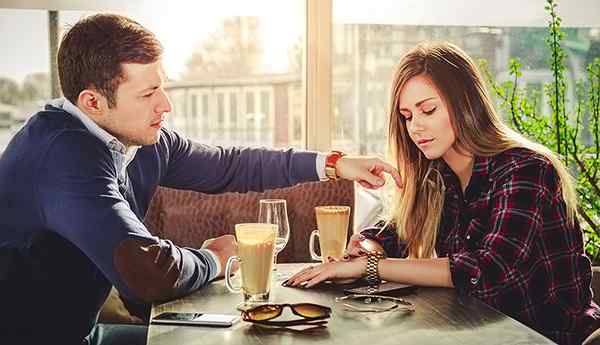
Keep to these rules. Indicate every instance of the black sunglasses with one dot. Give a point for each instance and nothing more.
(264, 314)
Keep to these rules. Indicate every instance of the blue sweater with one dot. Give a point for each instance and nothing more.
(64, 213)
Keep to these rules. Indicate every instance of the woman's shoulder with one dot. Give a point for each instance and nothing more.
(523, 164)
(519, 157)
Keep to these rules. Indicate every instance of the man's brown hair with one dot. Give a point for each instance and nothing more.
(92, 51)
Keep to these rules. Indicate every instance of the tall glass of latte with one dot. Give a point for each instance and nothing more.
(256, 243)
(332, 223)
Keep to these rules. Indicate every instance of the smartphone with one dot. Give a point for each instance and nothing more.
(386, 288)
(196, 319)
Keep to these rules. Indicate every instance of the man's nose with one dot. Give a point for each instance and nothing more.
(164, 106)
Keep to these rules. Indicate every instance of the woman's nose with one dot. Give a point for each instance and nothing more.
(416, 124)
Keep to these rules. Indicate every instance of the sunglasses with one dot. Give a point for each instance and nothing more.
(264, 314)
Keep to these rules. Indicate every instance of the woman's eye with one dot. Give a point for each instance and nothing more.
(148, 95)
(430, 111)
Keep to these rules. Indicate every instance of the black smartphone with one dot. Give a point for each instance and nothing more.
(196, 319)
(386, 288)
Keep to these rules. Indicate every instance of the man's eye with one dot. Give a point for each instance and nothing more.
(148, 95)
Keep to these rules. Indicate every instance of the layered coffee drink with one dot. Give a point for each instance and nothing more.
(256, 243)
(332, 223)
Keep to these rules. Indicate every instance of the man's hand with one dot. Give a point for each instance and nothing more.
(223, 247)
(368, 171)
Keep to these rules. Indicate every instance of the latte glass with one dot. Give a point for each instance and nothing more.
(256, 244)
(332, 223)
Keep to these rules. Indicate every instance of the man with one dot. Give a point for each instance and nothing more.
(77, 179)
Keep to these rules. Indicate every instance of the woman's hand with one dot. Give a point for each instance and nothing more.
(333, 270)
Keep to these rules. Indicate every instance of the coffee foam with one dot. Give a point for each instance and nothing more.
(332, 209)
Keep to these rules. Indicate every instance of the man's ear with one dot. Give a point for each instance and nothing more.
(91, 102)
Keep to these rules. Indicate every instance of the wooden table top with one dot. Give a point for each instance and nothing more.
(441, 317)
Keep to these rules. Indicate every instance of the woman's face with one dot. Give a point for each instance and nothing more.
(427, 117)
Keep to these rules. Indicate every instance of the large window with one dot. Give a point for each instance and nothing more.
(24, 68)
(214, 56)
(369, 38)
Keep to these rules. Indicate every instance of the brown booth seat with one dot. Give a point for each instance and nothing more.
(188, 218)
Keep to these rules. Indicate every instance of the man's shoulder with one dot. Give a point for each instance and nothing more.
(55, 127)
(43, 129)
(48, 123)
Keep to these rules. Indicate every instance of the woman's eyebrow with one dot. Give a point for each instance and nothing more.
(418, 104)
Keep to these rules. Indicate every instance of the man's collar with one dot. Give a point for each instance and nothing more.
(107, 138)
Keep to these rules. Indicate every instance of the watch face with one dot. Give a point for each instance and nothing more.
(371, 246)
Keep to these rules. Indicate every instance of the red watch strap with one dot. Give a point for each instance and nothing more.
(332, 158)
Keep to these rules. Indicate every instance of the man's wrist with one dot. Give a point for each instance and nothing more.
(217, 264)
(320, 166)
(331, 160)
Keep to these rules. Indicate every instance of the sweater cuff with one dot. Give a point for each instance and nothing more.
(213, 263)
(320, 166)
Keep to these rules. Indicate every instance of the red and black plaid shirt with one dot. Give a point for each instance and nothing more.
(510, 245)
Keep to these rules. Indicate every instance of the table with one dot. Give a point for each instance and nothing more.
(441, 317)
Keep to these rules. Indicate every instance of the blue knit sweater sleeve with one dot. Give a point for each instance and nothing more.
(79, 198)
(215, 169)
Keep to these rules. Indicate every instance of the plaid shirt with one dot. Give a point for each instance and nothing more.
(509, 244)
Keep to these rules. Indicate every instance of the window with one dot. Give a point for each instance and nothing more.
(220, 111)
(368, 43)
(205, 117)
(209, 51)
(233, 112)
(25, 71)
(250, 117)
(257, 48)
(193, 118)
(266, 129)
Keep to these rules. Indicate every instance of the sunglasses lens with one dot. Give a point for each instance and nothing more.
(311, 310)
(264, 312)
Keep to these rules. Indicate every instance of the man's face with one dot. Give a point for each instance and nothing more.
(141, 105)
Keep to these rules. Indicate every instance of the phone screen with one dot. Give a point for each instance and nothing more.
(196, 319)
(178, 316)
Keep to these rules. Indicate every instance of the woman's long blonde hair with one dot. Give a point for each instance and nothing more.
(417, 208)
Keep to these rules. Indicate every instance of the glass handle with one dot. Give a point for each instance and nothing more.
(311, 246)
(228, 271)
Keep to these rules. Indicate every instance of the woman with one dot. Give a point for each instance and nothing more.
(482, 210)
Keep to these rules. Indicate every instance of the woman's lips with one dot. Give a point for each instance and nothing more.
(424, 142)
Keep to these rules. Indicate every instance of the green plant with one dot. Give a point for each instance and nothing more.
(562, 129)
